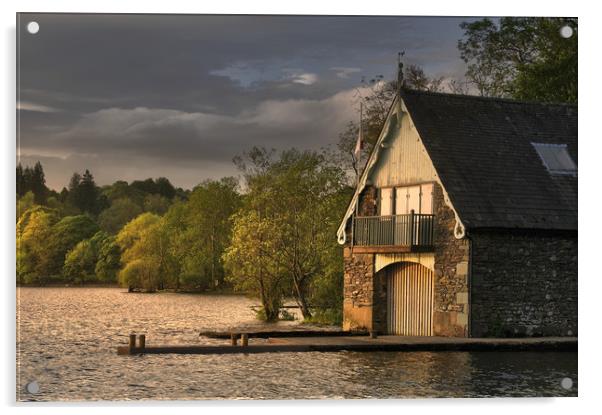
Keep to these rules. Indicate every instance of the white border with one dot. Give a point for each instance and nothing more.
(590, 229)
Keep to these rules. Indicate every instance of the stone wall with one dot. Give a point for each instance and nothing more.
(368, 201)
(523, 283)
(358, 291)
(450, 317)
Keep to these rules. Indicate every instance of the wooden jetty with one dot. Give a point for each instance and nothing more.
(368, 343)
(266, 334)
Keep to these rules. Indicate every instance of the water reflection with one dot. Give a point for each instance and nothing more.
(67, 339)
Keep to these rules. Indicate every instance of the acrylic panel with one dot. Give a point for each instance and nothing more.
(295, 207)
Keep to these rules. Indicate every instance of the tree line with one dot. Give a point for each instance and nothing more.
(270, 234)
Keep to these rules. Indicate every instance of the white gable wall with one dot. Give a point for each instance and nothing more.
(404, 160)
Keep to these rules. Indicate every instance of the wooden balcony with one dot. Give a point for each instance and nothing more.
(393, 234)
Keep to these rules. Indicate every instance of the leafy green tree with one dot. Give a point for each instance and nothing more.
(65, 234)
(34, 230)
(24, 203)
(249, 261)
(122, 190)
(140, 273)
(165, 188)
(177, 231)
(208, 212)
(82, 261)
(144, 243)
(134, 230)
(156, 203)
(108, 260)
(120, 212)
(521, 57)
(300, 196)
(160, 186)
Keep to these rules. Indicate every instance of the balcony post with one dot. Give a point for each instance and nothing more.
(411, 227)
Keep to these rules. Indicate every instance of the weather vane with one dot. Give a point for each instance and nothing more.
(400, 69)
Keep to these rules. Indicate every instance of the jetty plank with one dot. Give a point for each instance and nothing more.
(367, 344)
(264, 334)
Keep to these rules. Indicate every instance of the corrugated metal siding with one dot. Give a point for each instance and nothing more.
(410, 297)
(405, 161)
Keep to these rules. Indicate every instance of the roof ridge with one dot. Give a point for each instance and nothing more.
(484, 98)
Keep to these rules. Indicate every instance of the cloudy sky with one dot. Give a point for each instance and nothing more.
(137, 96)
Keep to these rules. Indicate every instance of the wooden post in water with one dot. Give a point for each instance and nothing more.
(132, 341)
(142, 341)
(233, 339)
(244, 340)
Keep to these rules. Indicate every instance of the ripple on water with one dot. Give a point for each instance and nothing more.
(67, 340)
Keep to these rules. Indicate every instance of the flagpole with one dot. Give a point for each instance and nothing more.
(359, 155)
(360, 138)
(357, 180)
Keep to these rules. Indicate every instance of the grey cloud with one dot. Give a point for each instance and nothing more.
(343, 72)
(191, 89)
(175, 136)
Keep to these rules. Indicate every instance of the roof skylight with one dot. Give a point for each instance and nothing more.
(556, 158)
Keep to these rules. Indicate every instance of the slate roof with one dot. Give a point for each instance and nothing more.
(481, 149)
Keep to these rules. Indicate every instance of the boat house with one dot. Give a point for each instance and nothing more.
(464, 221)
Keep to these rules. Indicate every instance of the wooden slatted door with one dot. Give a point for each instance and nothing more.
(410, 292)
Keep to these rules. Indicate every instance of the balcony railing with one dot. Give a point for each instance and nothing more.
(412, 230)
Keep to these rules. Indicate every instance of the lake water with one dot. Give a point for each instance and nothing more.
(67, 339)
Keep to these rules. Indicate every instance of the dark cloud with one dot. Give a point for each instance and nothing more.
(180, 95)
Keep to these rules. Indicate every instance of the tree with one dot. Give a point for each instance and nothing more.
(208, 212)
(120, 212)
(82, 261)
(85, 194)
(299, 197)
(146, 257)
(155, 203)
(160, 186)
(32, 180)
(122, 190)
(38, 183)
(21, 190)
(108, 260)
(24, 203)
(415, 78)
(65, 234)
(165, 188)
(34, 230)
(521, 57)
(249, 262)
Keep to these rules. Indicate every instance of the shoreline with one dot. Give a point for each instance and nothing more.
(97, 285)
